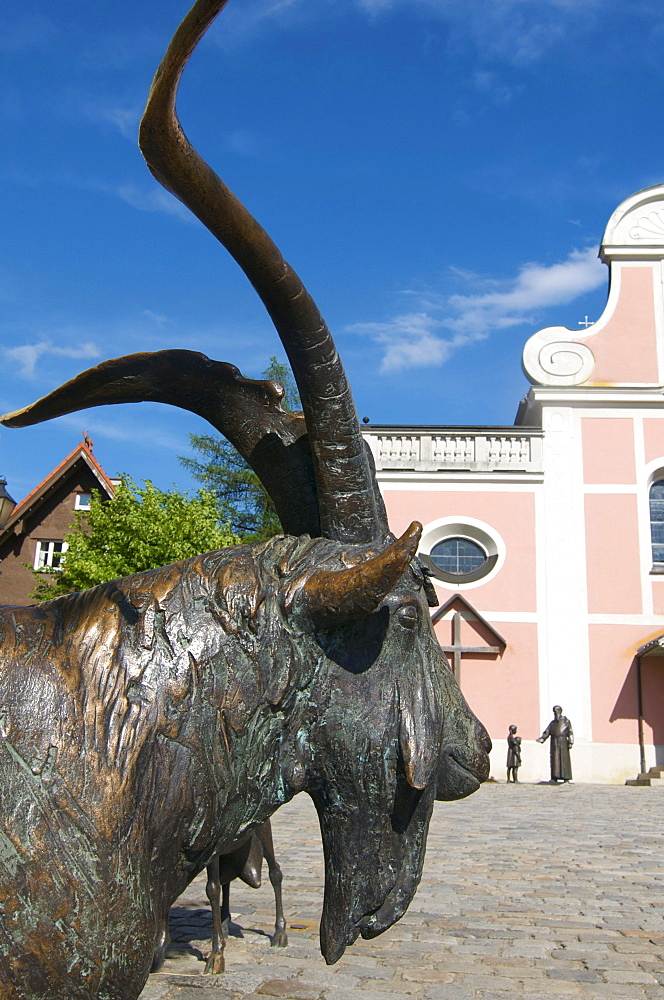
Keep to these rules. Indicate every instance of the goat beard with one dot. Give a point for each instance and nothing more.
(372, 866)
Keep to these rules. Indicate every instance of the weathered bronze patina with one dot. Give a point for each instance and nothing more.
(149, 724)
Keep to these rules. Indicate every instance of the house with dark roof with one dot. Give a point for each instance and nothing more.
(32, 536)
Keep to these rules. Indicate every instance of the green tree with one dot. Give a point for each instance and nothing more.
(140, 528)
(241, 498)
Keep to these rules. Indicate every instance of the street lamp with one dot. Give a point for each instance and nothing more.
(7, 503)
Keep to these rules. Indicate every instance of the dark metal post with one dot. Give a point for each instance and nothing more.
(639, 692)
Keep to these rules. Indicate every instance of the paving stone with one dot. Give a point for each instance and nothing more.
(562, 990)
(156, 990)
(413, 948)
(606, 936)
(460, 966)
(604, 962)
(637, 977)
(365, 994)
(514, 967)
(506, 934)
(591, 947)
(327, 978)
(196, 981)
(202, 993)
(396, 988)
(427, 976)
(370, 971)
(244, 979)
(638, 946)
(574, 975)
(477, 948)
(488, 981)
(622, 992)
(526, 950)
(288, 988)
(453, 992)
(576, 954)
(353, 958)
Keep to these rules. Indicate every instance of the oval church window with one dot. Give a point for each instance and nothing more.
(458, 557)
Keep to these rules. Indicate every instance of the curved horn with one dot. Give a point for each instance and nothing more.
(348, 507)
(333, 597)
(246, 411)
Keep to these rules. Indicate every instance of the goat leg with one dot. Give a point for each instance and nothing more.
(215, 962)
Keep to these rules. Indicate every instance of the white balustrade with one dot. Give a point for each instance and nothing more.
(455, 448)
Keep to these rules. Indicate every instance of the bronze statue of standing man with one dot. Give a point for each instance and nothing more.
(560, 732)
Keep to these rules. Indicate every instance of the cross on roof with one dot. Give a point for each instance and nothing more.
(586, 322)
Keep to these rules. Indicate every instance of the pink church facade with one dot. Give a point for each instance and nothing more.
(543, 537)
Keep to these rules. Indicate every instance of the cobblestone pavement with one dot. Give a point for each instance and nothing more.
(529, 891)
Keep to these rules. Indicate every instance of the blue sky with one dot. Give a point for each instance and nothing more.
(439, 172)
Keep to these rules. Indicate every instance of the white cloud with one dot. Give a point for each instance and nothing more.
(518, 31)
(243, 142)
(153, 200)
(536, 287)
(426, 337)
(376, 6)
(124, 119)
(156, 318)
(244, 20)
(122, 428)
(410, 340)
(490, 85)
(27, 356)
(146, 199)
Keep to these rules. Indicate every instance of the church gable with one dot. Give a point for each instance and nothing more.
(624, 347)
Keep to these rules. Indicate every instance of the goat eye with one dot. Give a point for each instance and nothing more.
(408, 616)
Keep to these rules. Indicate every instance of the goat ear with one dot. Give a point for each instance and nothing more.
(419, 730)
(334, 597)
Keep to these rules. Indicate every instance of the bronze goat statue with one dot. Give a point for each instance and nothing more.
(151, 723)
(245, 863)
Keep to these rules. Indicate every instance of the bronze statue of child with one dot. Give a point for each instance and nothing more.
(513, 754)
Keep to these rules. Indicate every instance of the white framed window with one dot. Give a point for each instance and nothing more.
(82, 501)
(656, 501)
(48, 555)
(462, 552)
